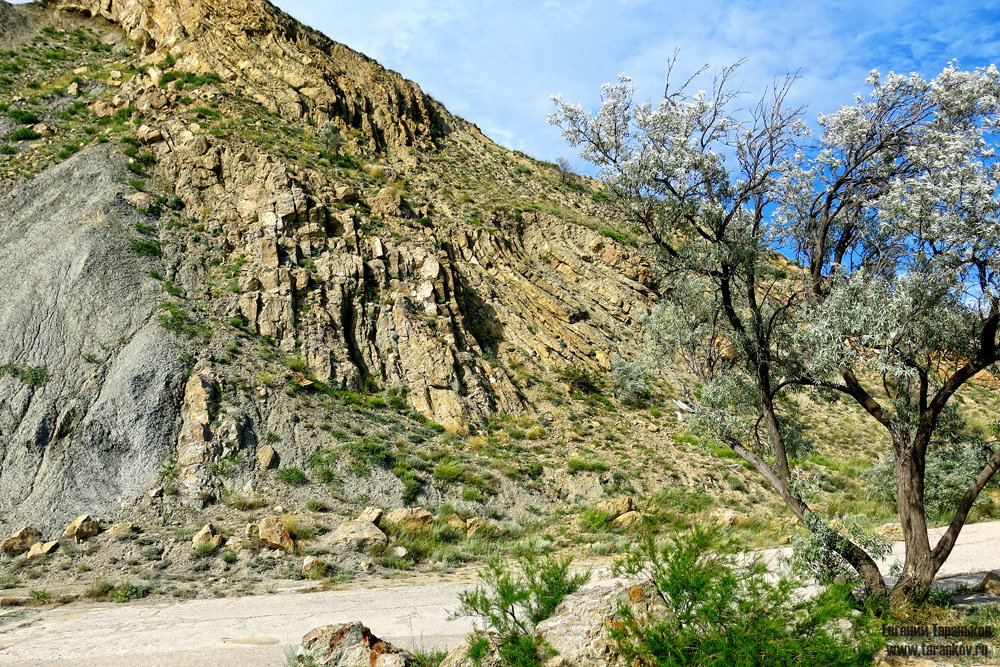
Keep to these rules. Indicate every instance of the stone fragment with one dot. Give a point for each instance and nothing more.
(457, 522)
(473, 525)
(627, 520)
(39, 549)
(82, 528)
(21, 541)
(727, 517)
(273, 535)
(73, 89)
(349, 645)
(206, 538)
(371, 514)
(120, 529)
(410, 518)
(103, 109)
(399, 552)
(615, 507)
(148, 135)
(140, 200)
(990, 584)
(266, 456)
(357, 535)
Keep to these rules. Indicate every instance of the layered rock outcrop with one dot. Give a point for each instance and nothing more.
(278, 62)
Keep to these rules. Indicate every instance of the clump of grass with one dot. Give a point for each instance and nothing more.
(293, 476)
(146, 247)
(577, 465)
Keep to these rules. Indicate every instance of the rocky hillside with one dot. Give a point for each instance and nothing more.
(251, 278)
(274, 190)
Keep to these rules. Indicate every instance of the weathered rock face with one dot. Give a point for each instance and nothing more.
(89, 412)
(11, 22)
(282, 64)
(349, 645)
(356, 284)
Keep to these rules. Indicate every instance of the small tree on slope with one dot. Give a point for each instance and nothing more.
(891, 216)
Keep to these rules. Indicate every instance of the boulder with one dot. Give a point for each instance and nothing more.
(357, 535)
(627, 520)
(410, 518)
(21, 541)
(120, 529)
(473, 525)
(273, 535)
(140, 200)
(267, 457)
(727, 517)
(206, 538)
(990, 584)
(349, 645)
(615, 507)
(39, 549)
(371, 514)
(82, 528)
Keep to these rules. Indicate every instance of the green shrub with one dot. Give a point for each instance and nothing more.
(33, 376)
(177, 321)
(24, 117)
(292, 476)
(128, 592)
(368, 452)
(145, 247)
(447, 471)
(722, 613)
(40, 596)
(577, 464)
(24, 134)
(580, 379)
(513, 602)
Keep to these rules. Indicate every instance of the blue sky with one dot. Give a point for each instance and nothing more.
(498, 63)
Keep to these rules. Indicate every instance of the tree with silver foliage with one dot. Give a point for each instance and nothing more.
(861, 263)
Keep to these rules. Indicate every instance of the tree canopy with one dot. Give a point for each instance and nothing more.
(859, 260)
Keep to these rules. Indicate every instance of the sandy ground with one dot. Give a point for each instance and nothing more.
(257, 630)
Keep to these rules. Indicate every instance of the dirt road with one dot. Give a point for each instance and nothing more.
(250, 631)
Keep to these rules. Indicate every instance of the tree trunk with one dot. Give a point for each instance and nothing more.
(919, 566)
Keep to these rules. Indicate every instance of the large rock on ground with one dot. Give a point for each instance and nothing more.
(82, 528)
(21, 541)
(349, 645)
(206, 538)
(39, 549)
(615, 507)
(357, 535)
(273, 534)
(990, 584)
